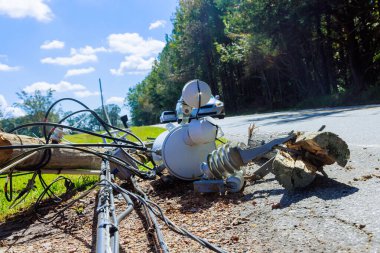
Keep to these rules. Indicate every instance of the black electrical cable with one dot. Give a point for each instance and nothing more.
(160, 214)
(43, 219)
(44, 160)
(104, 124)
(218, 139)
(83, 145)
(82, 111)
(8, 196)
(52, 106)
(114, 159)
(68, 184)
(17, 175)
(24, 192)
(79, 145)
(94, 113)
(72, 145)
(43, 124)
(131, 166)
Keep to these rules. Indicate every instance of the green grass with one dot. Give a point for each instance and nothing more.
(82, 182)
(19, 182)
(143, 132)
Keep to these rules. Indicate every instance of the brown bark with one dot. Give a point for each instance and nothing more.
(60, 158)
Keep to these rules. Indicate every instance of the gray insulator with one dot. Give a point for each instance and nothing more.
(222, 162)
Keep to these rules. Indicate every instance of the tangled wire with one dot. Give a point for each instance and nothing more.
(131, 165)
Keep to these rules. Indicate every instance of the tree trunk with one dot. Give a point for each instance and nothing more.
(60, 158)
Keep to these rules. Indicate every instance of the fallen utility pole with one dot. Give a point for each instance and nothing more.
(69, 159)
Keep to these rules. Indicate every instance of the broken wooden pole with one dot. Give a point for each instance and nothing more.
(312, 151)
(325, 146)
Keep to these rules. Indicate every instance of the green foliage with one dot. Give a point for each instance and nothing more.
(35, 105)
(264, 54)
(87, 121)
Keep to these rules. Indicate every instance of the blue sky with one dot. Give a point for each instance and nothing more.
(67, 45)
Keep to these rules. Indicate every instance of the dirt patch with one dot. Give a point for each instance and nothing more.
(242, 222)
(366, 177)
(209, 216)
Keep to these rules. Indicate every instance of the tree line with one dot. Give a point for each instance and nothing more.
(36, 105)
(266, 55)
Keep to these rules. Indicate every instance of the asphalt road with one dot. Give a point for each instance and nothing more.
(358, 125)
(339, 214)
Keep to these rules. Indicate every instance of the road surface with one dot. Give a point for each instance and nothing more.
(340, 214)
(336, 214)
(358, 125)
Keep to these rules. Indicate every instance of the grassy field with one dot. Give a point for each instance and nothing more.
(83, 182)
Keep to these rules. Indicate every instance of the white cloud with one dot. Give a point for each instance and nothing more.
(76, 72)
(79, 90)
(13, 112)
(74, 59)
(86, 93)
(58, 87)
(157, 24)
(54, 44)
(9, 111)
(140, 54)
(133, 64)
(77, 56)
(6, 68)
(3, 102)
(134, 44)
(115, 100)
(88, 50)
(26, 8)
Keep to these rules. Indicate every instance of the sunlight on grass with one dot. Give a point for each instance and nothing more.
(20, 182)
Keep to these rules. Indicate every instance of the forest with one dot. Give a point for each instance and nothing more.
(262, 55)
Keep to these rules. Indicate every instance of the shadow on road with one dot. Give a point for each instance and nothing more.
(182, 193)
(322, 187)
(284, 118)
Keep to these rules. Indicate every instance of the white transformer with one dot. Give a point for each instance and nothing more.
(182, 149)
(185, 149)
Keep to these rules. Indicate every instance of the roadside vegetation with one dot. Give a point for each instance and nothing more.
(266, 55)
(81, 182)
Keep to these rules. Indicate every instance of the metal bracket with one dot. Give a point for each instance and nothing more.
(209, 186)
(248, 155)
